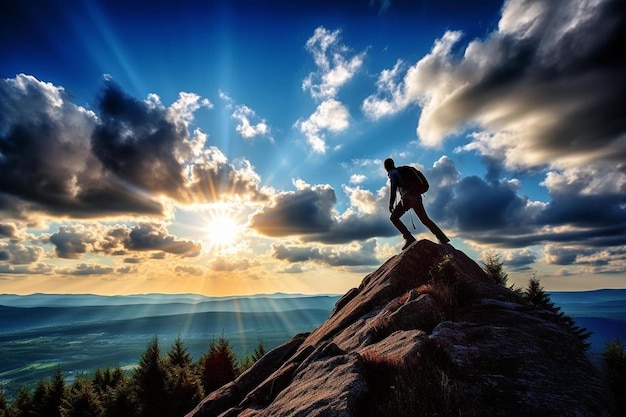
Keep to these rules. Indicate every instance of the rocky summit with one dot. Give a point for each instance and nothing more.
(427, 334)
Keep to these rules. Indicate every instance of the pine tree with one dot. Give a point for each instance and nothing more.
(178, 354)
(614, 363)
(218, 366)
(82, 400)
(183, 384)
(248, 360)
(22, 404)
(536, 296)
(494, 269)
(120, 400)
(150, 379)
(49, 395)
(4, 404)
(259, 351)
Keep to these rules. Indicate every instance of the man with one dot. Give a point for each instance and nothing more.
(408, 201)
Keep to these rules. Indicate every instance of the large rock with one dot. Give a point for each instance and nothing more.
(428, 333)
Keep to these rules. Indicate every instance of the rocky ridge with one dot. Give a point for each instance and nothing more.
(428, 333)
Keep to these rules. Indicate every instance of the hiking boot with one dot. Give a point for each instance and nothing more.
(408, 241)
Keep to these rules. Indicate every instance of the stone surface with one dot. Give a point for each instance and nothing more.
(427, 330)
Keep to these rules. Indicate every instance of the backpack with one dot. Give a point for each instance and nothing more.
(412, 180)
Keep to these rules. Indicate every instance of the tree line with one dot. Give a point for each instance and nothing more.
(167, 385)
(614, 354)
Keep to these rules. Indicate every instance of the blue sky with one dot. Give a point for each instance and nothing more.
(236, 147)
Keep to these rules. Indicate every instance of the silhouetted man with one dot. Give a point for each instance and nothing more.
(408, 201)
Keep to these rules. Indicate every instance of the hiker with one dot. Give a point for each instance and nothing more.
(408, 200)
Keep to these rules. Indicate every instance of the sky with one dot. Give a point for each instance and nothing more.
(236, 147)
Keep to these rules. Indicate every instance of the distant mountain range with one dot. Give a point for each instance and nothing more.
(37, 311)
(84, 332)
(602, 311)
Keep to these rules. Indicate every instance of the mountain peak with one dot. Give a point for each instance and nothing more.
(428, 333)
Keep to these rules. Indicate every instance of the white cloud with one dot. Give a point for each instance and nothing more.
(335, 66)
(363, 200)
(542, 89)
(330, 115)
(357, 178)
(247, 127)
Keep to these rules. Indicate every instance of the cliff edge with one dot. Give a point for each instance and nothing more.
(426, 334)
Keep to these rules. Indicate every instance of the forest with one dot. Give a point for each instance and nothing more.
(169, 384)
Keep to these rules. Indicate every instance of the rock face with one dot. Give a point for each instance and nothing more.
(426, 334)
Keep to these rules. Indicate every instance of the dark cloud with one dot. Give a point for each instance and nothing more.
(8, 230)
(88, 269)
(46, 159)
(303, 212)
(18, 254)
(72, 242)
(309, 213)
(586, 208)
(63, 160)
(565, 64)
(355, 227)
(138, 143)
(478, 205)
(151, 237)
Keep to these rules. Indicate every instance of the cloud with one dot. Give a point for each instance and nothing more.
(72, 242)
(309, 214)
(19, 254)
(586, 207)
(545, 88)
(358, 254)
(8, 230)
(304, 211)
(357, 178)
(224, 265)
(247, 127)
(330, 116)
(87, 269)
(249, 124)
(128, 157)
(144, 143)
(189, 270)
(334, 65)
(149, 237)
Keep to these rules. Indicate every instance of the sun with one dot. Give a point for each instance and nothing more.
(223, 231)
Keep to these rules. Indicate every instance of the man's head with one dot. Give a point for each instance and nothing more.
(389, 164)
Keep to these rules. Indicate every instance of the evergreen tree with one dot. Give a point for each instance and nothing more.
(536, 296)
(82, 400)
(259, 351)
(218, 366)
(248, 360)
(614, 363)
(115, 392)
(245, 363)
(150, 379)
(120, 400)
(183, 384)
(4, 404)
(39, 398)
(178, 354)
(494, 269)
(22, 404)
